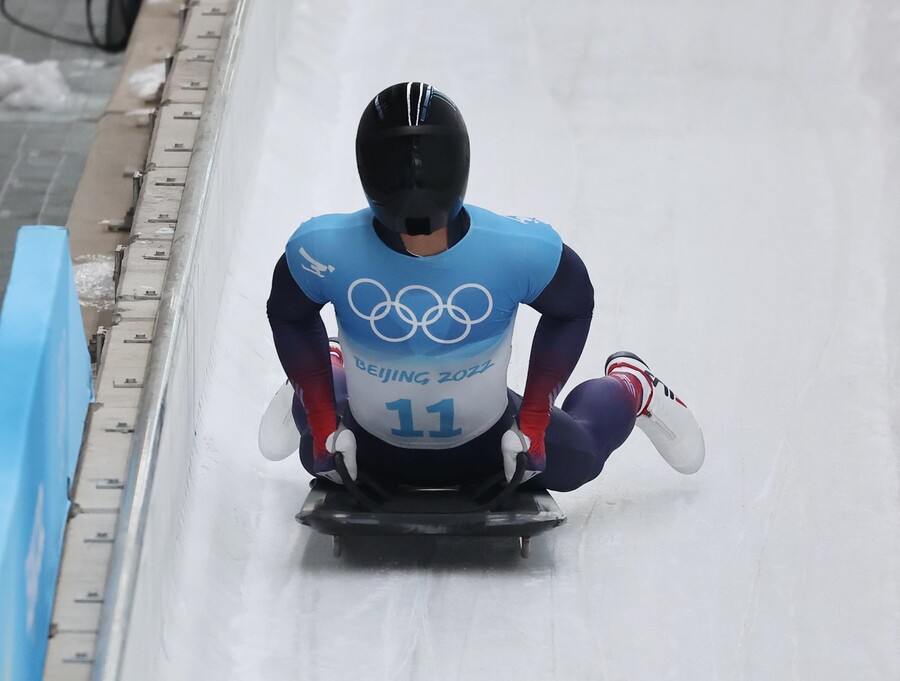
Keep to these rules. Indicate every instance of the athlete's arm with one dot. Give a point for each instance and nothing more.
(302, 345)
(566, 305)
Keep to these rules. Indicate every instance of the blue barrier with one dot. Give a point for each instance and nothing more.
(45, 389)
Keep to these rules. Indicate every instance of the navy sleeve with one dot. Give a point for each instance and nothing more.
(566, 306)
(301, 342)
(297, 327)
(570, 294)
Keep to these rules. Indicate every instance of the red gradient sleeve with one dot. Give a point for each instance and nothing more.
(301, 342)
(566, 306)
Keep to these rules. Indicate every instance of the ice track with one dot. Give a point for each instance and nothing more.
(728, 171)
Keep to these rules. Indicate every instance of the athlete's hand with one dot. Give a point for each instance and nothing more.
(512, 443)
(344, 441)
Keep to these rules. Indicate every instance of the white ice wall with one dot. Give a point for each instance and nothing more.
(225, 160)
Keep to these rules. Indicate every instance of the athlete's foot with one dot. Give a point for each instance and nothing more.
(663, 417)
(278, 434)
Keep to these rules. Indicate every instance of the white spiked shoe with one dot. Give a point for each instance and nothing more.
(664, 418)
(278, 435)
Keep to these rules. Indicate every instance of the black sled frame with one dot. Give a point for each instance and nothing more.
(490, 509)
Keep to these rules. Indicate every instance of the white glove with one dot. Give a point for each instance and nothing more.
(344, 441)
(513, 442)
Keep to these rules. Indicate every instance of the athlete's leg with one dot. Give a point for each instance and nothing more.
(595, 419)
(599, 414)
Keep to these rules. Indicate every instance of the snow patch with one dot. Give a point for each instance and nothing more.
(33, 87)
(94, 281)
(146, 82)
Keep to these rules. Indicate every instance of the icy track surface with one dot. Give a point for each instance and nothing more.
(728, 171)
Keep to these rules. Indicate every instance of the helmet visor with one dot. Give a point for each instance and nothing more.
(435, 160)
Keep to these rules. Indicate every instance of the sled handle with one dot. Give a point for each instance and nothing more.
(353, 487)
(370, 504)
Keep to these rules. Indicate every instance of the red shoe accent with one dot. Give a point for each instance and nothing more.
(633, 385)
(651, 381)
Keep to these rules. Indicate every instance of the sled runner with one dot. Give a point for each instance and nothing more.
(489, 509)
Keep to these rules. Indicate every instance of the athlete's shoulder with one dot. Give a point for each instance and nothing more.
(333, 225)
(513, 226)
(320, 244)
(531, 248)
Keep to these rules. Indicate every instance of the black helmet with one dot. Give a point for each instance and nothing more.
(412, 152)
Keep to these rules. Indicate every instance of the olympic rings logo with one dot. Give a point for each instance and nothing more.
(432, 315)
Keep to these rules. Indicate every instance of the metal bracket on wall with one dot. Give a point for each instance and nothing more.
(95, 347)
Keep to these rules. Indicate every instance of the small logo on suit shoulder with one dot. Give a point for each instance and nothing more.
(315, 266)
